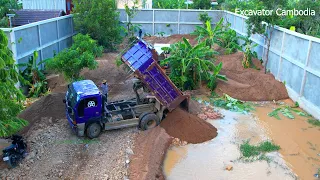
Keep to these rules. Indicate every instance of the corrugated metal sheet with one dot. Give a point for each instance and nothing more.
(45, 4)
(25, 16)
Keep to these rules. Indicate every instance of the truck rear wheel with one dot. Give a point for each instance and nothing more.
(149, 121)
(93, 130)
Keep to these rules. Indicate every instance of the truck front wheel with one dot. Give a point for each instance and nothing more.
(93, 130)
(149, 121)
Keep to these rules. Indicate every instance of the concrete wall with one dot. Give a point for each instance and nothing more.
(293, 59)
(47, 37)
(169, 21)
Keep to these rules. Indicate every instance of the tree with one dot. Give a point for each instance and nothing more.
(99, 19)
(169, 4)
(131, 12)
(80, 55)
(201, 4)
(10, 96)
(6, 7)
(264, 24)
(309, 25)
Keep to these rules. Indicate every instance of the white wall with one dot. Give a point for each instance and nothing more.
(44, 4)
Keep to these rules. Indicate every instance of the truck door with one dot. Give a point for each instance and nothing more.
(92, 107)
(89, 108)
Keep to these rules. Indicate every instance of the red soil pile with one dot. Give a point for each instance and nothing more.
(149, 151)
(248, 84)
(50, 106)
(188, 127)
(171, 39)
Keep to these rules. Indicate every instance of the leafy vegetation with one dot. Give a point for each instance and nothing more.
(309, 25)
(132, 28)
(168, 4)
(209, 35)
(248, 45)
(80, 55)
(99, 19)
(201, 4)
(10, 97)
(264, 25)
(35, 79)
(204, 17)
(191, 65)
(229, 40)
(6, 7)
(248, 150)
(314, 122)
(287, 111)
(232, 104)
(303, 24)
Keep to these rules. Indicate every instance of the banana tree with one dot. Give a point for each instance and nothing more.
(229, 40)
(248, 47)
(34, 77)
(191, 65)
(208, 34)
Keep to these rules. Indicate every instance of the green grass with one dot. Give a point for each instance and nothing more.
(314, 122)
(248, 150)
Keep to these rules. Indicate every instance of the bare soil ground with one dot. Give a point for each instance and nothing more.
(248, 84)
(55, 152)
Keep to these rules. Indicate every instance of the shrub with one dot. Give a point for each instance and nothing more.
(99, 19)
(80, 55)
(201, 4)
(10, 96)
(168, 4)
(6, 7)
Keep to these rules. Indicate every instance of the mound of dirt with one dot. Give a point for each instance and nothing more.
(171, 39)
(48, 107)
(56, 83)
(188, 127)
(248, 84)
(149, 151)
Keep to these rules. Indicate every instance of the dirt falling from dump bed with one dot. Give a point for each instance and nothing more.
(50, 106)
(188, 127)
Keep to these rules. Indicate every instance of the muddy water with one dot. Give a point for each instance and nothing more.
(209, 160)
(299, 141)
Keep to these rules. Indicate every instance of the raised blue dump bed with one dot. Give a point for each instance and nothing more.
(139, 59)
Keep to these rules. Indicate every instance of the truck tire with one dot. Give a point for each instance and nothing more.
(149, 121)
(93, 130)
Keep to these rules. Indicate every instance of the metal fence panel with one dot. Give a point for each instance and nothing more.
(48, 37)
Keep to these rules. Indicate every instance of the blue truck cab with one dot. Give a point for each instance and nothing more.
(83, 104)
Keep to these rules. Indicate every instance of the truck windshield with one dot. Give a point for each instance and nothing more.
(71, 96)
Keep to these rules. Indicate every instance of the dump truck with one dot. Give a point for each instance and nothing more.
(155, 96)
